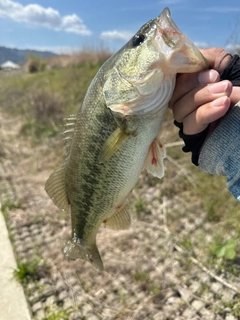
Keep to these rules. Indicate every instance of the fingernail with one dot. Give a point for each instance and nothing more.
(208, 76)
(219, 87)
(219, 102)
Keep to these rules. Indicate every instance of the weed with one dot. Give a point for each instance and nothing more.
(140, 276)
(154, 288)
(37, 130)
(53, 314)
(30, 270)
(46, 111)
(234, 307)
(204, 288)
(35, 64)
(63, 215)
(213, 214)
(141, 208)
(187, 244)
(143, 278)
(236, 310)
(8, 205)
(45, 98)
(46, 107)
(145, 283)
(232, 268)
(140, 205)
(225, 250)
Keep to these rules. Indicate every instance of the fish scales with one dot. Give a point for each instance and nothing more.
(95, 182)
(116, 132)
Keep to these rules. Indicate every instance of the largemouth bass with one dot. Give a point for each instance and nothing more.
(116, 132)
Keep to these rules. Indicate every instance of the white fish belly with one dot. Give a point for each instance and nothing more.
(130, 159)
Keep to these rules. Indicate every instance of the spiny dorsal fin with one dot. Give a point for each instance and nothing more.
(69, 128)
(55, 185)
(55, 188)
(121, 220)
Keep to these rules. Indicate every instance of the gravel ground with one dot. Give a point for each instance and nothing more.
(150, 271)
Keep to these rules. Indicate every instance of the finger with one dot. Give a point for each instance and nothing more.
(235, 95)
(198, 97)
(184, 83)
(198, 120)
(187, 82)
(218, 58)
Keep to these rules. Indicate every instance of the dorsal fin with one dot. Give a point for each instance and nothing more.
(55, 188)
(68, 132)
(55, 185)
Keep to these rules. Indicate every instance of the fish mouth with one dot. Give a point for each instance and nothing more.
(165, 21)
(173, 37)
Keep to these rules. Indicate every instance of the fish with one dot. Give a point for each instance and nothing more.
(116, 132)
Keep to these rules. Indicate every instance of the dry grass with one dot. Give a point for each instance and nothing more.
(86, 57)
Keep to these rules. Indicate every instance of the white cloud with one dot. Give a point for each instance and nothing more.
(116, 35)
(46, 17)
(233, 48)
(75, 25)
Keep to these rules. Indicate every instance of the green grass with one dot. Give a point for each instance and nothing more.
(29, 271)
(53, 314)
(8, 205)
(225, 250)
(141, 276)
(44, 99)
(141, 209)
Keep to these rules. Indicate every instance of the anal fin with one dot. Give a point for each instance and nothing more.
(154, 160)
(121, 220)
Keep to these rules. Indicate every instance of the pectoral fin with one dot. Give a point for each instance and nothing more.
(112, 144)
(120, 220)
(154, 160)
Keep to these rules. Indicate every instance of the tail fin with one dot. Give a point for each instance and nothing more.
(74, 250)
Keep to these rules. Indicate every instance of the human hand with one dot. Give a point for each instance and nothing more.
(201, 99)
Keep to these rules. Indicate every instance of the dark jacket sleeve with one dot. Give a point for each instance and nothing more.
(221, 153)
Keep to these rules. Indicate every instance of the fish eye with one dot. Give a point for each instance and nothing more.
(137, 40)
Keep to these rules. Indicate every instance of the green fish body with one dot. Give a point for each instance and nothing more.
(116, 132)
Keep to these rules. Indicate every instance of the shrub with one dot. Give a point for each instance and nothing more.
(46, 112)
(35, 64)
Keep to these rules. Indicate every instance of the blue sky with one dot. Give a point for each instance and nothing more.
(68, 25)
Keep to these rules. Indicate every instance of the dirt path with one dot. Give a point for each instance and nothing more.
(149, 273)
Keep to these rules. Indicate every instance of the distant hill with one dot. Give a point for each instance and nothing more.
(20, 56)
